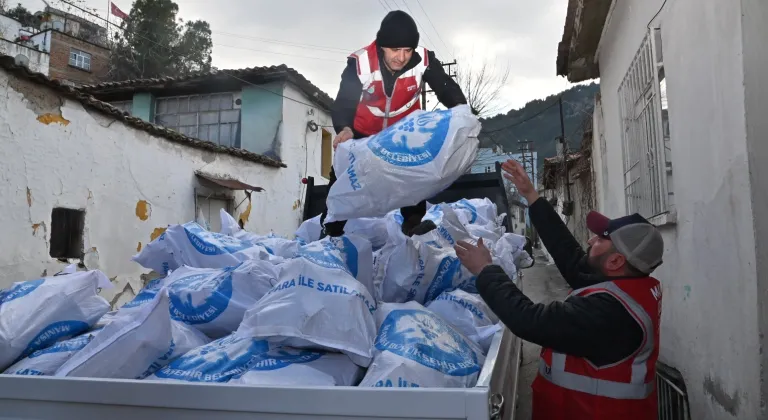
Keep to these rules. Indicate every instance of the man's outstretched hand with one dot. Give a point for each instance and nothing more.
(515, 172)
(474, 258)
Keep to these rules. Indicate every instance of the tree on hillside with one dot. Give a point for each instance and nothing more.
(19, 13)
(153, 42)
(482, 86)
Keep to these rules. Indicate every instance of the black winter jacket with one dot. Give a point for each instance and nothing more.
(596, 327)
(345, 106)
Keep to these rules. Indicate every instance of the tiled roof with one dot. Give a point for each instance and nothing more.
(7, 63)
(252, 75)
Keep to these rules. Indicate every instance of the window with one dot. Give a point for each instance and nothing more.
(205, 117)
(80, 59)
(125, 106)
(67, 233)
(326, 159)
(210, 208)
(645, 131)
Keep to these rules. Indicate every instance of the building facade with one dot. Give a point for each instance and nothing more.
(87, 184)
(680, 138)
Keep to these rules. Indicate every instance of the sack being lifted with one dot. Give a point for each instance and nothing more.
(410, 161)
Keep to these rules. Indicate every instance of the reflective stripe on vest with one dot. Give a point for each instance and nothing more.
(637, 388)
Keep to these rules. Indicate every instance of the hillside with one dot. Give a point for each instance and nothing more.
(542, 129)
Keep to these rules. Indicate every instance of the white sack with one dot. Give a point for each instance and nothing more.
(417, 348)
(190, 244)
(213, 300)
(127, 346)
(38, 313)
(408, 162)
(47, 361)
(293, 367)
(217, 361)
(374, 229)
(469, 314)
(184, 339)
(317, 304)
(476, 211)
(309, 230)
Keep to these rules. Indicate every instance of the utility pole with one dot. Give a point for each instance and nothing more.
(526, 156)
(450, 71)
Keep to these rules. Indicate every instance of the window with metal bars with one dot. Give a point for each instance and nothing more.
(645, 131)
(211, 117)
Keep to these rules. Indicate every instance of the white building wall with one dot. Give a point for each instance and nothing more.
(709, 320)
(56, 153)
(38, 61)
(9, 28)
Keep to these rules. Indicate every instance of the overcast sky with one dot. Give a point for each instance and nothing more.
(315, 36)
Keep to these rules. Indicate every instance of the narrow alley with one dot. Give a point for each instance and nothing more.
(542, 283)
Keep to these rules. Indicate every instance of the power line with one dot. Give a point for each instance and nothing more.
(435, 28)
(279, 53)
(523, 121)
(420, 26)
(289, 43)
(173, 51)
(384, 4)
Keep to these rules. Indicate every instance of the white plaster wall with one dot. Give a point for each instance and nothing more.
(38, 61)
(599, 161)
(709, 322)
(43, 41)
(105, 167)
(9, 28)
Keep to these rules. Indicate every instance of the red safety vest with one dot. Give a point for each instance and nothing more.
(572, 388)
(377, 111)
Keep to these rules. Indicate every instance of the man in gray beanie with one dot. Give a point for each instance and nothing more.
(382, 85)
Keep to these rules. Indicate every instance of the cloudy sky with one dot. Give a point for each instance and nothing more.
(315, 36)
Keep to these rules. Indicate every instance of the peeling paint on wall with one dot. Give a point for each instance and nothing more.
(52, 118)
(156, 233)
(244, 216)
(29, 197)
(143, 210)
(296, 204)
(138, 248)
(729, 402)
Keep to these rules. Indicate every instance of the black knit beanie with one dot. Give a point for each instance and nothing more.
(398, 30)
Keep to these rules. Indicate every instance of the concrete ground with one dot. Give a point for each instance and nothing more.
(542, 283)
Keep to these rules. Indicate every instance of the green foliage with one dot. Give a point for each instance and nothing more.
(19, 13)
(154, 43)
(542, 130)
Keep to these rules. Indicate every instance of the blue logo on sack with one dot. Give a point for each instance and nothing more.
(281, 358)
(464, 204)
(146, 294)
(470, 285)
(443, 281)
(212, 243)
(426, 339)
(214, 289)
(412, 142)
(326, 254)
(53, 333)
(29, 372)
(20, 290)
(71, 345)
(217, 361)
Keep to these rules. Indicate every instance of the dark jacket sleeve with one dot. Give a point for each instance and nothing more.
(596, 327)
(569, 256)
(345, 105)
(447, 90)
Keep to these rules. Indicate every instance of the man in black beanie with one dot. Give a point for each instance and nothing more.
(382, 85)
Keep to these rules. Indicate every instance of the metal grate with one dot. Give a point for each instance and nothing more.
(672, 394)
(645, 178)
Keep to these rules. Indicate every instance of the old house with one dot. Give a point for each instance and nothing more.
(84, 182)
(679, 137)
(16, 41)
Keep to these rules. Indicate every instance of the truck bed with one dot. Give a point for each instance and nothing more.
(25, 397)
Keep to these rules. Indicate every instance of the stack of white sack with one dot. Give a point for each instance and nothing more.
(218, 361)
(191, 245)
(285, 366)
(318, 304)
(36, 314)
(373, 229)
(417, 348)
(214, 300)
(469, 314)
(480, 218)
(408, 162)
(275, 245)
